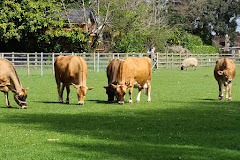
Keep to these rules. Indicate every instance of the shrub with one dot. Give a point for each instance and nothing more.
(204, 49)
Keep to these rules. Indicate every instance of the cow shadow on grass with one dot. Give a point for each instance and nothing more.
(102, 101)
(48, 102)
(201, 130)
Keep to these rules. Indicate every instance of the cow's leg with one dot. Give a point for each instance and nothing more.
(68, 91)
(60, 100)
(227, 89)
(7, 101)
(130, 94)
(149, 92)
(61, 94)
(139, 94)
(228, 93)
(220, 91)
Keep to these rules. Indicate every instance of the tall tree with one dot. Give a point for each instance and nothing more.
(205, 17)
(35, 25)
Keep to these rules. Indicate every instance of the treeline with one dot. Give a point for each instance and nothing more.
(37, 26)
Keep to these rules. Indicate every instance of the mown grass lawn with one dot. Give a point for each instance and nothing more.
(184, 121)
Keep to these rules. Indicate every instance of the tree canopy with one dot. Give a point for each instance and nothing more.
(36, 25)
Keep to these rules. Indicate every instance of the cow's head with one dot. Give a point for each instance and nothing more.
(81, 92)
(228, 75)
(20, 97)
(120, 91)
(110, 91)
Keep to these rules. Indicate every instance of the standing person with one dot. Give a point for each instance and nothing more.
(152, 56)
(151, 52)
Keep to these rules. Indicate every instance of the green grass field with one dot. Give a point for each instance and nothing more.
(184, 121)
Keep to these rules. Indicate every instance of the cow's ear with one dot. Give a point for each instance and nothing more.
(105, 87)
(220, 73)
(74, 85)
(14, 91)
(114, 86)
(27, 89)
(89, 88)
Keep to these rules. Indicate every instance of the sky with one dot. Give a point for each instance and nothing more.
(238, 27)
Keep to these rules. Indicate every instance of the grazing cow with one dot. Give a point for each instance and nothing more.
(224, 73)
(134, 72)
(112, 74)
(71, 70)
(189, 62)
(9, 81)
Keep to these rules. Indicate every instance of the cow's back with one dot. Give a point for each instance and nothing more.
(113, 71)
(139, 68)
(70, 68)
(6, 71)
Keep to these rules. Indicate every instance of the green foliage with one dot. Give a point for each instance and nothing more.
(71, 40)
(204, 49)
(37, 26)
(131, 43)
(209, 16)
(192, 42)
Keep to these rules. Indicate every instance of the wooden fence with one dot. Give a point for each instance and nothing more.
(99, 61)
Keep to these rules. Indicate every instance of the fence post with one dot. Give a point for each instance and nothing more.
(198, 59)
(53, 59)
(72, 53)
(139, 55)
(118, 55)
(113, 55)
(28, 67)
(41, 63)
(97, 62)
(94, 61)
(2, 55)
(36, 60)
(157, 60)
(13, 58)
(180, 59)
(167, 59)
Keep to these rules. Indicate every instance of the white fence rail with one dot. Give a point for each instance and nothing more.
(98, 61)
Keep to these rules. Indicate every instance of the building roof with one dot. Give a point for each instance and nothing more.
(77, 15)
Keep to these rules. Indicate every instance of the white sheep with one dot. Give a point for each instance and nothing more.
(189, 62)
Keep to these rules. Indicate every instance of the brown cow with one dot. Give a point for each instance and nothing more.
(224, 73)
(112, 74)
(71, 70)
(134, 72)
(9, 81)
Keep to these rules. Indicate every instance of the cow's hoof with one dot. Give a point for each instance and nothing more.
(137, 101)
(60, 101)
(148, 100)
(9, 107)
(220, 98)
(130, 102)
(230, 99)
(67, 102)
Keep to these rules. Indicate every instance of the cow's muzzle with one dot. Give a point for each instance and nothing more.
(80, 103)
(229, 81)
(120, 102)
